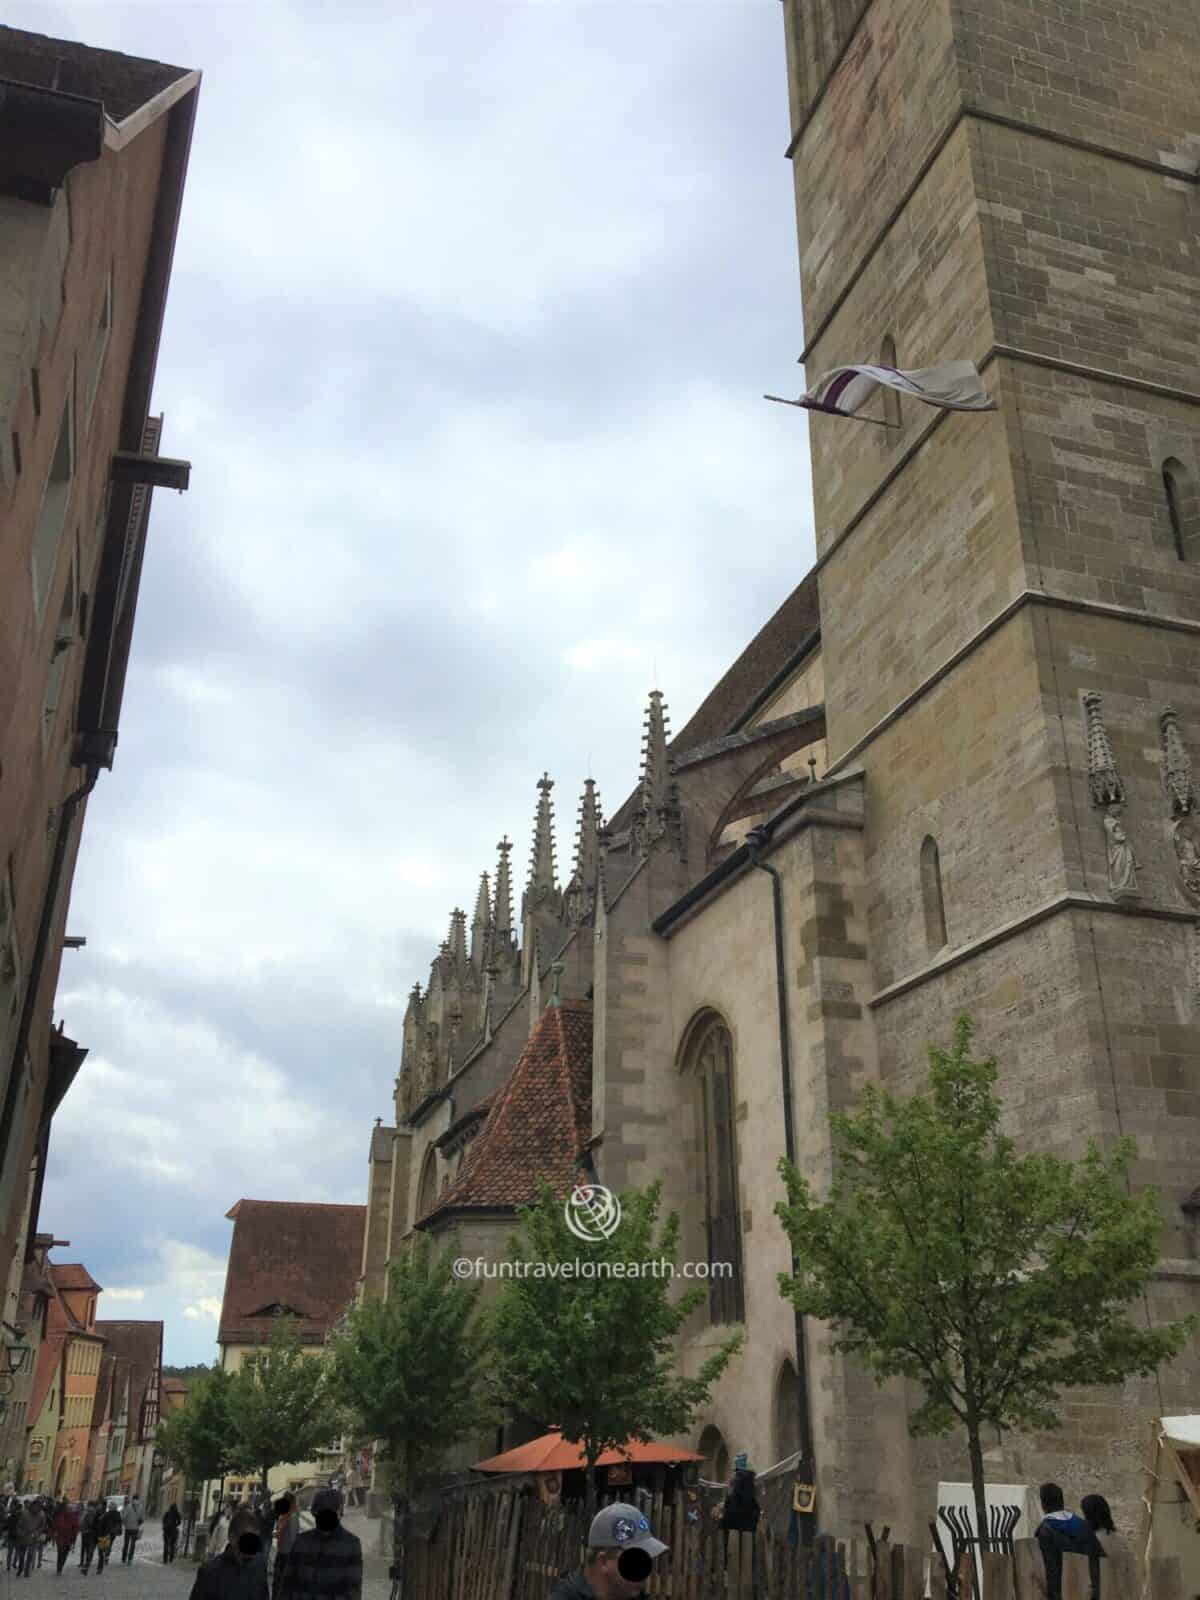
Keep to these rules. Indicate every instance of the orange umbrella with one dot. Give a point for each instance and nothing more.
(553, 1453)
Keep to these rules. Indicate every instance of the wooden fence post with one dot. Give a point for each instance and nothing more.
(1166, 1579)
(1077, 1579)
(998, 1576)
(1029, 1571)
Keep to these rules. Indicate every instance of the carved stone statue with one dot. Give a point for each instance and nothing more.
(1122, 868)
(1187, 853)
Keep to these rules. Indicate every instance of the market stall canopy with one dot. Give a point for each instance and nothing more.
(1183, 1431)
(553, 1453)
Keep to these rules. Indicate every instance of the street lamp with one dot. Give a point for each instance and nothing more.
(16, 1354)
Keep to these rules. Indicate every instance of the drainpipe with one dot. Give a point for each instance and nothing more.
(37, 966)
(756, 840)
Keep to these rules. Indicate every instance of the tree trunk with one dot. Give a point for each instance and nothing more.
(975, 1451)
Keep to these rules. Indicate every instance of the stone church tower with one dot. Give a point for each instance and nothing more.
(962, 746)
(1011, 602)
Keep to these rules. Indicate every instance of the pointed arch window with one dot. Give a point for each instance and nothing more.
(1183, 508)
(787, 1412)
(931, 896)
(891, 397)
(709, 1063)
(427, 1188)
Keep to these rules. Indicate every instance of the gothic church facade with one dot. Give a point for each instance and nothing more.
(961, 750)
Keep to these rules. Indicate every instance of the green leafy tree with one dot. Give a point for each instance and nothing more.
(594, 1352)
(198, 1438)
(994, 1280)
(280, 1407)
(410, 1370)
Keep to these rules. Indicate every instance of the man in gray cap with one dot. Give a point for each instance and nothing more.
(620, 1554)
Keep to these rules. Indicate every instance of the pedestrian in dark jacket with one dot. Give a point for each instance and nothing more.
(621, 1552)
(239, 1572)
(88, 1529)
(65, 1528)
(11, 1523)
(108, 1528)
(171, 1521)
(1061, 1533)
(741, 1510)
(326, 1561)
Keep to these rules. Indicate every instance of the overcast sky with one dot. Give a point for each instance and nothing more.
(471, 313)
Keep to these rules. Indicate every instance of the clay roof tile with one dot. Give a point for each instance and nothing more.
(539, 1123)
(303, 1257)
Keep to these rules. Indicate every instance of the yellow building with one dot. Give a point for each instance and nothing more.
(64, 1386)
(292, 1260)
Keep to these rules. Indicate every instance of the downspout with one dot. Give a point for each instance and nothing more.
(37, 966)
(756, 839)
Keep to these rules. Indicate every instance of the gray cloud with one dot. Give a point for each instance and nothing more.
(469, 320)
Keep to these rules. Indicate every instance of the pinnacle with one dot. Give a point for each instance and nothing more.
(503, 914)
(587, 854)
(542, 871)
(481, 923)
(458, 936)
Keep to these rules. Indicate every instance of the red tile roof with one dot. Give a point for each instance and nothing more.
(540, 1122)
(138, 1347)
(72, 1275)
(304, 1257)
(48, 1362)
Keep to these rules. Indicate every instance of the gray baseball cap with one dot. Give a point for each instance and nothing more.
(622, 1527)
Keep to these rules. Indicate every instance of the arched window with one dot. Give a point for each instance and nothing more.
(715, 1451)
(931, 895)
(787, 1412)
(427, 1188)
(891, 397)
(1183, 507)
(709, 1061)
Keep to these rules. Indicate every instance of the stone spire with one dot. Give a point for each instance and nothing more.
(481, 925)
(1104, 781)
(587, 847)
(580, 899)
(458, 938)
(1176, 766)
(543, 877)
(502, 917)
(658, 813)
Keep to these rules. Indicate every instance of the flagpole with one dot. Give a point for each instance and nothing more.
(849, 416)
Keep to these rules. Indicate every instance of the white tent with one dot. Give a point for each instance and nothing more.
(1171, 1519)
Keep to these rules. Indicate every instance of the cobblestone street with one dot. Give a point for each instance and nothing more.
(147, 1578)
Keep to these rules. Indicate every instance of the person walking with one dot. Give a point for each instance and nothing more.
(108, 1528)
(1062, 1532)
(41, 1527)
(88, 1529)
(11, 1523)
(132, 1519)
(621, 1551)
(65, 1528)
(287, 1528)
(25, 1532)
(171, 1521)
(326, 1561)
(239, 1572)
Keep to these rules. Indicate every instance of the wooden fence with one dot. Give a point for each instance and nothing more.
(506, 1546)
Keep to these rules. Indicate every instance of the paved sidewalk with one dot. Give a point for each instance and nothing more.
(146, 1578)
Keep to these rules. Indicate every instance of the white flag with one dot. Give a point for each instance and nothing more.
(955, 386)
